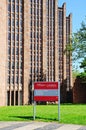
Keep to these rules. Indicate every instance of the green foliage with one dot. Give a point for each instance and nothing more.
(75, 73)
(71, 114)
(77, 46)
(83, 64)
(79, 42)
(82, 76)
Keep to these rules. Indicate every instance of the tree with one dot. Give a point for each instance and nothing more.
(78, 46)
(79, 43)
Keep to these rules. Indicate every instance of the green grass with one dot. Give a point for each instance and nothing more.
(71, 114)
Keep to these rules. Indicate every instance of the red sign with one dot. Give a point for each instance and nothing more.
(45, 98)
(46, 91)
(46, 85)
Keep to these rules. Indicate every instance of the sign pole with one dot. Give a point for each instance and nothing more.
(34, 110)
(58, 101)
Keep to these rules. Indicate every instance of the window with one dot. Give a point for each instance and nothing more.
(9, 22)
(17, 50)
(21, 58)
(21, 79)
(21, 1)
(13, 43)
(13, 8)
(21, 65)
(9, 65)
(21, 9)
(13, 57)
(8, 80)
(21, 51)
(20, 37)
(13, 0)
(9, 50)
(17, 1)
(17, 65)
(9, 43)
(13, 51)
(17, 8)
(12, 71)
(17, 23)
(21, 72)
(16, 30)
(12, 80)
(21, 16)
(9, 36)
(21, 23)
(9, 7)
(20, 29)
(13, 36)
(17, 43)
(13, 65)
(13, 22)
(17, 79)
(16, 16)
(17, 37)
(9, 0)
(13, 29)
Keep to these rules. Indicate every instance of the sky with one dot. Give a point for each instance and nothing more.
(78, 10)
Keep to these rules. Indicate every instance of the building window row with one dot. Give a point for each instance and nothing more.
(50, 38)
(36, 37)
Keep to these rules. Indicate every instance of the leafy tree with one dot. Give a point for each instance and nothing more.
(77, 46)
(79, 43)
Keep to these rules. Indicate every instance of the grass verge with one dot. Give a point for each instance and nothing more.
(70, 114)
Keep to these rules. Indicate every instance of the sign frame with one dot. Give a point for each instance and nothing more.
(42, 88)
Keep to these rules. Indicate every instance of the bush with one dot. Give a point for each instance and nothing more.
(82, 76)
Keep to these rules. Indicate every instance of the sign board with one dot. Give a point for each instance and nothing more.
(47, 91)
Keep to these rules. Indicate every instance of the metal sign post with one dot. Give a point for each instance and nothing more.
(34, 110)
(58, 101)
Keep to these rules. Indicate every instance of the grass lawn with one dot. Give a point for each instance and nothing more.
(73, 114)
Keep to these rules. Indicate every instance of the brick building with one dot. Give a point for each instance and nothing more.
(65, 61)
(79, 90)
(33, 37)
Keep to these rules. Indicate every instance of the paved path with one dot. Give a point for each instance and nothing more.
(38, 126)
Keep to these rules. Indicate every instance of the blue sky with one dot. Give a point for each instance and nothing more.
(78, 10)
